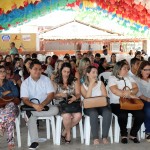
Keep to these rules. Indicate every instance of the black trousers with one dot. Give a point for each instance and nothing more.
(123, 118)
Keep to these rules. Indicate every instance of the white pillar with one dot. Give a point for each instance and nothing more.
(37, 42)
(148, 47)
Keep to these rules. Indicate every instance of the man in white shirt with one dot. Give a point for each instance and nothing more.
(40, 87)
(134, 63)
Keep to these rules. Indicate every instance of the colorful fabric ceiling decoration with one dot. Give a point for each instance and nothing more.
(136, 11)
(133, 13)
(8, 5)
(144, 3)
(14, 12)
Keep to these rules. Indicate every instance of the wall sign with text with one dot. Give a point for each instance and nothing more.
(26, 37)
(5, 37)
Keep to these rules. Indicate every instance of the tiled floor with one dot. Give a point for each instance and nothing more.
(75, 144)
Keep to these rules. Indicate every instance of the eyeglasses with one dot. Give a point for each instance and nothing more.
(146, 69)
(2, 72)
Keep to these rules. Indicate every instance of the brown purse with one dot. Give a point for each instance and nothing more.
(130, 103)
(93, 102)
(6, 99)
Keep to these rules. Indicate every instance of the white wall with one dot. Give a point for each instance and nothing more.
(70, 46)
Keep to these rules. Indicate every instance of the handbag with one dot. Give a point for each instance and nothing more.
(74, 107)
(4, 100)
(93, 102)
(130, 103)
(28, 108)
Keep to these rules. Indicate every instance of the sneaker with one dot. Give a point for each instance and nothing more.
(148, 137)
(34, 145)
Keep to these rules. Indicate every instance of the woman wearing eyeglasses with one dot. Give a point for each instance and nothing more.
(143, 82)
(10, 111)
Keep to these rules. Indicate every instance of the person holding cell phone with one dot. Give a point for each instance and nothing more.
(67, 88)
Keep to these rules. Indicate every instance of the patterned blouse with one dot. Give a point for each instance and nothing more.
(69, 90)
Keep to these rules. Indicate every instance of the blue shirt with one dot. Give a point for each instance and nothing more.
(9, 86)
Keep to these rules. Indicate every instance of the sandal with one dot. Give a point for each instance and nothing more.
(105, 141)
(11, 147)
(67, 142)
(2, 130)
(96, 142)
(63, 136)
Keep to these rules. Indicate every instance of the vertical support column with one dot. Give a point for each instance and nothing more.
(37, 42)
(148, 47)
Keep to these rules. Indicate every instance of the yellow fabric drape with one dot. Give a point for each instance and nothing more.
(88, 3)
(9, 5)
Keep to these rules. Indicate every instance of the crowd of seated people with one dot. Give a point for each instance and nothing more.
(55, 79)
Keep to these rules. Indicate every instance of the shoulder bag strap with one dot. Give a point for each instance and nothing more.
(32, 99)
(125, 84)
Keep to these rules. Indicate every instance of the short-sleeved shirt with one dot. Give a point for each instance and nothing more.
(120, 84)
(36, 89)
(131, 74)
(13, 51)
(144, 87)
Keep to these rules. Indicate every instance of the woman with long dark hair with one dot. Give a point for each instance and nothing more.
(24, 73)
(66, 86)
(112, 60)
(49, 68)
(16, 65)
(103, 65)
(143, 82)
(8, 59)
(56, 71)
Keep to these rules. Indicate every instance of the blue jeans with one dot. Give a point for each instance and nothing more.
(147, 116)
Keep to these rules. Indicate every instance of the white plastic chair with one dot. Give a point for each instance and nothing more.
(58, 130)
(48, 120)
(17, 124)
(142, 131)
(87, 130)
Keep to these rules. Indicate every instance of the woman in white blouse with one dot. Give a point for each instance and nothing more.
(143, 82)
(116, 84)
(92, 88)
